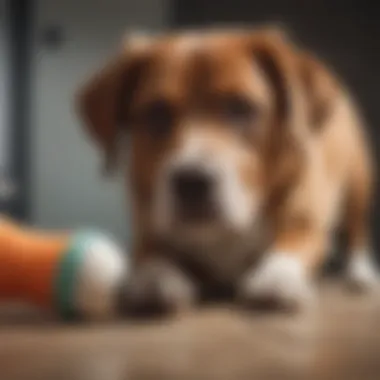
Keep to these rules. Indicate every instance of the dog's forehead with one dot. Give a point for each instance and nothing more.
(186, 45)
(221, 60)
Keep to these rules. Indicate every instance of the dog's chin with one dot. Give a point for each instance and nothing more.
(203, 234)
(197, 235)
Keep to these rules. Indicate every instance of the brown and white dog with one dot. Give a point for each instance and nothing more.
(245, 155)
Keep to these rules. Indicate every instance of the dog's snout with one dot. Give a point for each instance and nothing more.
(191, 185)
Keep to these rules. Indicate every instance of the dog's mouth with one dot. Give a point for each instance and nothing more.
(196, 212)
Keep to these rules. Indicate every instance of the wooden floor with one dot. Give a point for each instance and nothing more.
(340, 339)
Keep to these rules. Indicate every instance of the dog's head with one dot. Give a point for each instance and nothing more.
(217, 124)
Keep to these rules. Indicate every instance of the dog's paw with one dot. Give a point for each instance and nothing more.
(157, 288)
(279, 282)
(362, 275)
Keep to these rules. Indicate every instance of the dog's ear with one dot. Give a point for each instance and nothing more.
(271, 51)
(299, 78)
(304, 94)
(320, 89)
(102, 102)
(283, 146)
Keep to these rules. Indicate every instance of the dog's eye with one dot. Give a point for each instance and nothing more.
(158, 118)
(239, 110)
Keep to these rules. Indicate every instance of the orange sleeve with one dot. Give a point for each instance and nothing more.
(28, 263)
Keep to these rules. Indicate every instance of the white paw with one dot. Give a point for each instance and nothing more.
(362, 273)
(280, 281)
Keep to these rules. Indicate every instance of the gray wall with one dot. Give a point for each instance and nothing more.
(4, 69)
(67, 187)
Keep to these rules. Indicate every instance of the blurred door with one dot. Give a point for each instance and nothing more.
(73, 39)
(14, 95)
(4, 108)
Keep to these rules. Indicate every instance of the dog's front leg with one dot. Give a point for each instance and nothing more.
(157, 286)
(282, 280)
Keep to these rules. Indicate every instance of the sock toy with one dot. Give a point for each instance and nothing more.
(69, 273)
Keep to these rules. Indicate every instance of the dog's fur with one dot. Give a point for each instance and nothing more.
(275, 127)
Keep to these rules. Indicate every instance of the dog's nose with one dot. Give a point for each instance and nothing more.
(191, 185)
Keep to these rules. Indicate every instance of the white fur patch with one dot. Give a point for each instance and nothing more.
(361, 271)
(282, 279)
(102, 270)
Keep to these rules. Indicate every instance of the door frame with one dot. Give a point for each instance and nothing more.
(19, 16)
